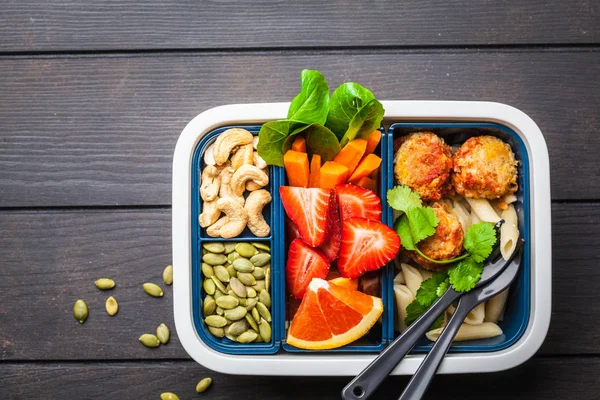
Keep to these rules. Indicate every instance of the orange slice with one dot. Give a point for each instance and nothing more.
(345, 282)
(332, 316)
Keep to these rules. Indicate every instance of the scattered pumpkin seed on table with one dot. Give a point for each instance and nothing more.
(203, 385)
(153, 289)
(80, 311)
(104, 283)
(149, 340)
(168, 275)
(163, 334)
(112, 307)
(169, 396)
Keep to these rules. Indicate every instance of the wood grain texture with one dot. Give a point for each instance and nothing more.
(74, 25)
(100, 130)
(51, 259)
(539, 378)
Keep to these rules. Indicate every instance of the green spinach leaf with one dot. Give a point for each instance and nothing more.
(319, 140)
(312, 103)
(271, 138)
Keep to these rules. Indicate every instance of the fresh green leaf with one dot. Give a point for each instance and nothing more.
(479, 240)
(401, 198)
(345, 107)
(311, 105)
(465, 275)
(422, 222)
(320, 140)
(438, 322)
(402, 227)
(443, 286)
(414, 310)
(427, 293)
(271, 137)
(364, 122)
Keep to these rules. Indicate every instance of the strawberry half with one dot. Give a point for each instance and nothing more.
(303, 264)
(333, 240)
(366, 246)
(309, 210)
(357, 202)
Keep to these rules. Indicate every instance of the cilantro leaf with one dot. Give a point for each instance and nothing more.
(428, 292)
(401, 198)
(443, 287)
(422, 222)
(414, 310)
(479, 240)
(403, 230)
(465, 275)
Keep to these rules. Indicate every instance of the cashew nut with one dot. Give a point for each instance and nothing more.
(209, 158)
(242, 156)
(210, 213)
(258, 161)
(254, 206)
(210, 183)
(255, 142)
(236, 215)
(252, 186)
(214, 229)
(226, 190)
(227, 140)
(246, 173)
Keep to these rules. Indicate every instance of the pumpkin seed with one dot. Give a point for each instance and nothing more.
(261, 246)
(231, 257)
(238, 327)
(149, 340)
(258, 273)
(230, 337)
(214, 247)
(168, 275)
(243, 265)
(220, 311)
(80, 311)
(218, 332)
(263, 311)
(169, 396)
(238, 287)
(207, 270)
(227, 302)
(245, 250)
(216, 321)
(267, 278)
(218, 284)
(260, 259)
(251, 322)
(221, 273)
(265, 298)
(203, 385)
(251, 292)
(246, 278)
(259, 285)
(153, 289)
(231, 271)
(250, 303)
(209, 306)
(247, 337)
(255, 314)
(264, 330)
(112, 307)
(163, 333)
(214, 259)
(218, 294)
(235, 314)
(209, 286)
(104, 283)
(229, 247)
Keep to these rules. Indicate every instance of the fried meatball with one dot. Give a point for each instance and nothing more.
(423, 163)
(484, 167)
(445, 244)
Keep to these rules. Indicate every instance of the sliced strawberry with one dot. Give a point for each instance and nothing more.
(291, 231)
(303, 264)
(333, 240)
(358, 202)
(366, 246)
(309, 209)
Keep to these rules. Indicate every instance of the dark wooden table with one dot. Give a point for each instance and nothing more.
(93, 97)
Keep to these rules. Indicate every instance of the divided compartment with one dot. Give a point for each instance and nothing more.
(516, 317)
(199, 236)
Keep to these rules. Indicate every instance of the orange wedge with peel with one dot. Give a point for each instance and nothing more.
(345, 282)
(332, 316)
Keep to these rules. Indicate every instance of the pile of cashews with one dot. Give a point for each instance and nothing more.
(233, 167)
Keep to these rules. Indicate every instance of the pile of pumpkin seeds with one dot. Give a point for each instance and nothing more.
(236, 282)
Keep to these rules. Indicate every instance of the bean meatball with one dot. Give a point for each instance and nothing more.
(445, 244)
(484, 167)
(424, 162)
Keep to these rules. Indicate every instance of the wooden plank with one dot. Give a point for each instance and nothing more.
(72, 25)
(539, 378)
(50, 259)
(101, 130)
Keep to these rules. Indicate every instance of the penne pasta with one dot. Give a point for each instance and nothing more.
(485, 330)
(475, 317)
(509, 232)
(413, 277)
(424, 273)
(484, 210)
(462, 213)
(494, 307)
(399, 278)
(510, 198)
(403, 297)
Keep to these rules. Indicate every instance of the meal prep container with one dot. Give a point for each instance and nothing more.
(528, 314)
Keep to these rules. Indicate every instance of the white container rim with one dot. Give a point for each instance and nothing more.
(351, 364)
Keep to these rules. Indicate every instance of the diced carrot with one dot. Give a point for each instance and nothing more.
(367, 183)
(299, 144)
(373, 141)
(296, 167)
(332, 174)
(375, 174)
(351, 154)
(315, 171)
(367, 165)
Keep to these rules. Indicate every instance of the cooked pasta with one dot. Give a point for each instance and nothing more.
(475, 317)
(494, 307)
(509, 232)
(461, 209)
(413, 277)
(399, 278)
(403, 297)
(484, 210)
(484, 330)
